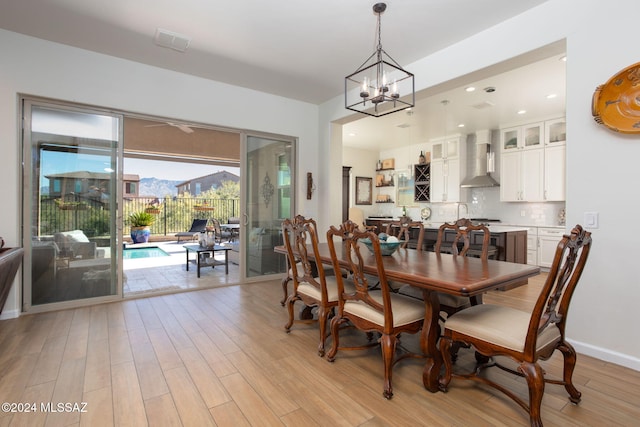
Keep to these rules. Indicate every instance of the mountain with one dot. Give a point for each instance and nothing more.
(158, 187)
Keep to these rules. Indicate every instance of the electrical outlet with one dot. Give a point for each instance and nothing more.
(523, 213)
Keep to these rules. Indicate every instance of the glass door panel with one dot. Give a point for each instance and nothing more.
(268, 199)
(70, 204)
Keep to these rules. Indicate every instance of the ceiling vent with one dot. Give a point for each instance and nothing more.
(482, 105)
(403, 125)
(171, 40)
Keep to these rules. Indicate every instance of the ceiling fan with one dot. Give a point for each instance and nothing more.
(183, 128)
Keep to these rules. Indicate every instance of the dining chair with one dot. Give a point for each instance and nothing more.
(462, 246)
(311, 285)
(288, 277)
(459, 246)
(379, 311)
(402, 230)
(524, 337)
(356, 215)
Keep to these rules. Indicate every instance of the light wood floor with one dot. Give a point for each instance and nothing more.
(221, 357)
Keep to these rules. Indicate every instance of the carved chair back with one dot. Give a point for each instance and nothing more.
(349, 235)
(298, 234)
(553, 302)
(463, 228)
(402, 230)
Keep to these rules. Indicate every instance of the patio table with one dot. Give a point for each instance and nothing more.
(207, 261)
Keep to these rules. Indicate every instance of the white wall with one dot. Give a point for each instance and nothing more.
(36, 67)
(601, 164)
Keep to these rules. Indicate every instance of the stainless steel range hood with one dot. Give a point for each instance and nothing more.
(481, 177)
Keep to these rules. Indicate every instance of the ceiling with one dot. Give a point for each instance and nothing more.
(297, 49)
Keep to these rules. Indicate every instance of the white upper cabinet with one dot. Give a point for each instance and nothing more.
(521, 176)
(554, 173)
(533, 162)
(447, 148)
(555, 132)
(448, 157)
(524, 137)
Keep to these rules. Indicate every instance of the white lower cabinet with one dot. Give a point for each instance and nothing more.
(548, 239)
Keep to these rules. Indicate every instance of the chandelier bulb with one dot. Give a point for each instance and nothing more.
(364, 91)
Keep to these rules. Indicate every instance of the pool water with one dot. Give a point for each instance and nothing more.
(150, 252)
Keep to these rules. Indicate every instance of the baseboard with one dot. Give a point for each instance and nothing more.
(607, 355)
(9, 314)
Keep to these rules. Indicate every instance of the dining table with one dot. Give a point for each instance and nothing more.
(432, 273)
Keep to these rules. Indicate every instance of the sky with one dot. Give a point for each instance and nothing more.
(56, 162)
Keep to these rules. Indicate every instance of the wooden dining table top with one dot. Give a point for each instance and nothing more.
(457, 275)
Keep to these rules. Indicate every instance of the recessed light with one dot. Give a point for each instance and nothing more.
(551, 96)
(470, 89)
(352, 134)
(489, 89)
(522, 111)
(461, 125)
(563, 58)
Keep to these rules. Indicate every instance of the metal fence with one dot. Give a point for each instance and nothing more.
(173, 214)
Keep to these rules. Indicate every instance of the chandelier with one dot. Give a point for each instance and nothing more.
(380, 86)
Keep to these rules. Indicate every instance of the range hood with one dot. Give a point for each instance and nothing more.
(481, 177)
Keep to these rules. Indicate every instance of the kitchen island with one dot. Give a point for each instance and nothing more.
(511, 241)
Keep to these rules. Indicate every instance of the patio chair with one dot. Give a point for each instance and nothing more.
(198, 226)
(221, 234)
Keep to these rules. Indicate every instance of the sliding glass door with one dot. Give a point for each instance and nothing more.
(70, 204)
(268, 174)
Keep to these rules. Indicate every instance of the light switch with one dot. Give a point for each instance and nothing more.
(591, 219)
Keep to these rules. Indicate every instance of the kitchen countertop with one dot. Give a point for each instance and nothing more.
(537, 225)
(494, 227)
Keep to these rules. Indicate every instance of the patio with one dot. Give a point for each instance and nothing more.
(167, 274)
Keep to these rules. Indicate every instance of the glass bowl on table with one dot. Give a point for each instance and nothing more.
(387, 245)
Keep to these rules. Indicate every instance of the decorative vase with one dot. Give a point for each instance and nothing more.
(422, 159)
(207, 239)
(140, 234)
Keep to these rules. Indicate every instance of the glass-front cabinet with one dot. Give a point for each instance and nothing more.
(556, 132)
(522, 137)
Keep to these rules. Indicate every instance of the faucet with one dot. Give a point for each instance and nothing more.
(466, 209)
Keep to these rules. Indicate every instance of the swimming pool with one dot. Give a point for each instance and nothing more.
(148, 252)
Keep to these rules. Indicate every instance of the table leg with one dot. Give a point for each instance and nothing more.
(429, 341)
(198, 256)
(226, 261)
(187, 250)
